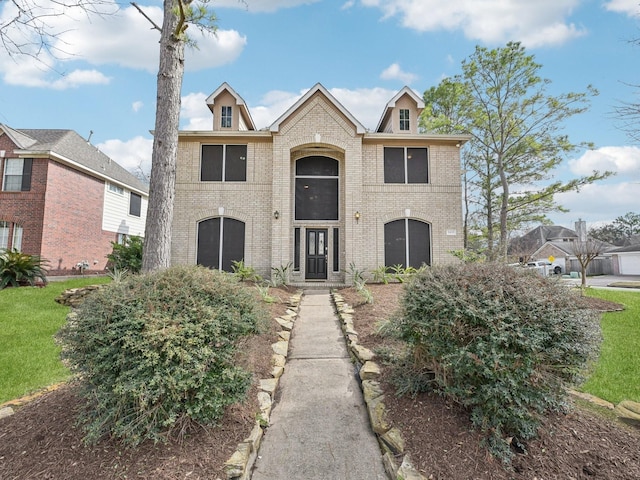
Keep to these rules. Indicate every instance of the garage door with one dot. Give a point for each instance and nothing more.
(629, 264)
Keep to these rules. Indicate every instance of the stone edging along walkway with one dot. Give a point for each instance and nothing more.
(240, 464)
(389, 437)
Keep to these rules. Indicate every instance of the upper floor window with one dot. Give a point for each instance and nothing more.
(406, 165)
(226, 117)
(404, 120)
(116, 189)
(316, 195)
(17, 175)
(223, 163)
(135, 204)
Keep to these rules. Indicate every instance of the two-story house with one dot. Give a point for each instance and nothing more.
(63, 199)
(316, 190)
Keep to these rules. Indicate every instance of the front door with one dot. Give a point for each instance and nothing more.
(316, 254)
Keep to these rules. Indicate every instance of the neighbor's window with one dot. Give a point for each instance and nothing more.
(406, 165)
(5, 234)
(226, 163)
(135, 204)
(404, 119)
(226, 117)
(116, 189)
(17, 175)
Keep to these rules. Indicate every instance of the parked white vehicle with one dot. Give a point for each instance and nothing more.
(545, 267)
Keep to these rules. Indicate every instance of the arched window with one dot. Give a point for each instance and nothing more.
(220, 243)
(407, 243)
(317, 188)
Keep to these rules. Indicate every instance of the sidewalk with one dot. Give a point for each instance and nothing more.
(319, 426)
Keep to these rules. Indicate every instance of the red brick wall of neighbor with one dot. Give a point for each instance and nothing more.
(73, 221)
(26, 208)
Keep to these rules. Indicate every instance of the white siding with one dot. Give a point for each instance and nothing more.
(116, 216)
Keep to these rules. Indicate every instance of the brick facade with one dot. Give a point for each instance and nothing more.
(318, 125)
(61, 215)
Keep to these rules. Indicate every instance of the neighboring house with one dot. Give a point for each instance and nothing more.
(64, 200)
(553, 241)
(626, 260)
(316, 190)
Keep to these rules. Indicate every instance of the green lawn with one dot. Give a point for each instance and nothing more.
(29, 317)
(617, 373)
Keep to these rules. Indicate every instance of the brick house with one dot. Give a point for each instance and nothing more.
(316, 190)
(64, 200)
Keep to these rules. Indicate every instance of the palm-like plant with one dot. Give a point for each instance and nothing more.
(17, 268)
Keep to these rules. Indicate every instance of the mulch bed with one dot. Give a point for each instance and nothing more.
(583, 444)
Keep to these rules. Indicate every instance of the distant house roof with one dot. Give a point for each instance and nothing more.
(70, 148)
(535, 238)
(627, 249)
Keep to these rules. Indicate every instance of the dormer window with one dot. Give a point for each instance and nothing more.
(226, 117)
(404, 120)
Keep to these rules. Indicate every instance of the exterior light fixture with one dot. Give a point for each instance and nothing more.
(357, 216)
(276, 214)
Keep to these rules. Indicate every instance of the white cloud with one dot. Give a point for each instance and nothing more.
(261, 5)
(597, 203)
(194, 111)
(535, 23)
(394, 72)
(108, 40)
(628, 7)
(622, 160)
(603, 201)
(134, 154)
(137, 106)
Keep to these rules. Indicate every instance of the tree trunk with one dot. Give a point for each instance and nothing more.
(157, 244)
(502, 250)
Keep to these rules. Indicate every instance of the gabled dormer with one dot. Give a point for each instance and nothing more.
(401, 113)
(230, 112)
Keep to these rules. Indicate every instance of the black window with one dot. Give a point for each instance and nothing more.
(228, 162)
(220, 243)
(316, 187)
(296, 249)
(226, 117)
(407, 243)
(135, 204)
(404, 119)
(17, 174)
(406, 165)
(336, 250)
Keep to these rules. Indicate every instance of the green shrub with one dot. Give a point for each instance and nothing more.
(126, 256)
(156, 352)
(17, 268)
(280, 275)
(503, 343)
(244, 272)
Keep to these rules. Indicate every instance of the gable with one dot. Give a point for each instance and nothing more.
(317, 92)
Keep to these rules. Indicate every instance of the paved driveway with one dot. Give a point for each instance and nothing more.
(606, 280)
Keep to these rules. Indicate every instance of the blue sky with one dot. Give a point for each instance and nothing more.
(103, 78)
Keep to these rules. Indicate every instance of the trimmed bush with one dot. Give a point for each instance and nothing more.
(156, 352)
(126, 256)
(18, 269)
(501, 342)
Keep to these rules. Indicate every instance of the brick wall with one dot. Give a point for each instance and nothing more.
(73, 219)
(317, 127)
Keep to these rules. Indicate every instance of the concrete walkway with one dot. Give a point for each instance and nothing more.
(319, 426)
